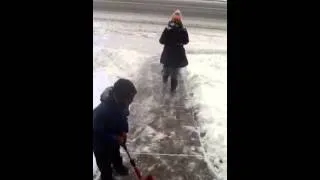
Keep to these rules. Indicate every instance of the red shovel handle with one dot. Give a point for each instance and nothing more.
(138, 173)
(136, 170)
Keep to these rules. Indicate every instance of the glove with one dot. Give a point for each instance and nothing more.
(122, 139)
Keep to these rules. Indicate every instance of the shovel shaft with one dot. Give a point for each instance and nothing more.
(138, 173)
(136, 170)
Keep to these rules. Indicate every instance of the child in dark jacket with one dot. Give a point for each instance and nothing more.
(110, 127)
(173, 56)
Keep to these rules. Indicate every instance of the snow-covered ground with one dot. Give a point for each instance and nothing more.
(122, 47)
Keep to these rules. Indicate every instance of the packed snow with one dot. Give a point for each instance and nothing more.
(121, 48)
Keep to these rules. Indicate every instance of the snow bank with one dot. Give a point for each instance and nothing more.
(207, 80)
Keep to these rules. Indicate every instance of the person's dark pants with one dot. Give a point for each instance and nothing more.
(173, 73)
(105, 158)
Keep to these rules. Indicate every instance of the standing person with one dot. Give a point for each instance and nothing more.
(110, 127)
(173, 56)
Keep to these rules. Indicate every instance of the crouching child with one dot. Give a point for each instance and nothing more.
(110, 127)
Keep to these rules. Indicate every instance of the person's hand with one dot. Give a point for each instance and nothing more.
(122, 139)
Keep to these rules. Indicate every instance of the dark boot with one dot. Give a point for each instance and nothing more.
(174, 84)
(108, 178)
(117, 161)
(104, 165)
(165, 78)
(165, 74)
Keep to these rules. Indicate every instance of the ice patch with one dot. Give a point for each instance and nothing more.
(191, 165)
(190, 128)
(146, 149)
(153, 134)
(159, 136)
(151, 167)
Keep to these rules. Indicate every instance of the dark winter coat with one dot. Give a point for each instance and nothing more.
(173, 38)
(109, 121)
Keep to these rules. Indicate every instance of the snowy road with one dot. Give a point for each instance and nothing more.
(201, 8)
(172, 137)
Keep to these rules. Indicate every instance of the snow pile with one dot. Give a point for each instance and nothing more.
(207, 80)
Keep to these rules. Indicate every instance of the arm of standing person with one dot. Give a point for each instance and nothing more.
(163, 37)
(184, 36)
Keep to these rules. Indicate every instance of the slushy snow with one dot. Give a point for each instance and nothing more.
(206, 75)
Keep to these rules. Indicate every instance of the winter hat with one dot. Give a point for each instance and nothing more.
(176, 16)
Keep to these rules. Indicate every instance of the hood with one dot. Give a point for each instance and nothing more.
(106, 97)
(106, 94)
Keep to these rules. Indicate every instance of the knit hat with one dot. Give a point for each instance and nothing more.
(176, 16)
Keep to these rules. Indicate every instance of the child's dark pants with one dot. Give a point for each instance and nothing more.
(173, 73)
(105, 158)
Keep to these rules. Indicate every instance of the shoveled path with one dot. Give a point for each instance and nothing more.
(164, 137)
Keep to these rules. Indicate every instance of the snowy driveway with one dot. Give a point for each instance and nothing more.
(172, 137)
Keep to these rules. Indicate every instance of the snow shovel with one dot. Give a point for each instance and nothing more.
(136, 170)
